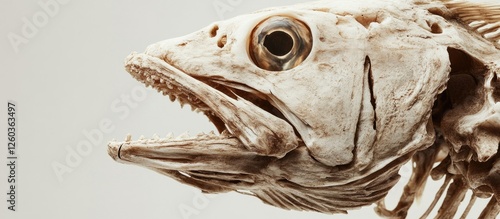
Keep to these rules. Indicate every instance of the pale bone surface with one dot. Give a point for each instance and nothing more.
(320, 104)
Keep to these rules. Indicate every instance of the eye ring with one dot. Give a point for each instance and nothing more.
(280, 43)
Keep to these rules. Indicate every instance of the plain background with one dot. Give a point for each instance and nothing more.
(68, 77)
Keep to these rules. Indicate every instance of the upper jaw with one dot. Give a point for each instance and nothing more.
(258, 130)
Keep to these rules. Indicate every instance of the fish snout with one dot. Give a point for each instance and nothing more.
(114, 151)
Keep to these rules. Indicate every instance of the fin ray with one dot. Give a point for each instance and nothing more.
(481, 17)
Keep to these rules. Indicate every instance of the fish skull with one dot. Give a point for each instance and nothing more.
(319, 105)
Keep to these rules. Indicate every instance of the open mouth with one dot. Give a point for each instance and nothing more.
(243, 117)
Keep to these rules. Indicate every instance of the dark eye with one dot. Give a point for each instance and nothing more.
(280, 43)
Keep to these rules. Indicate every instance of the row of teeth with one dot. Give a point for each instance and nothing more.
(173, 92)
(167, 88)
(183, 137)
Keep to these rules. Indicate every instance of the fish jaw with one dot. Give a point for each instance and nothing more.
(198, 153)
(212, 163)
(256, 128)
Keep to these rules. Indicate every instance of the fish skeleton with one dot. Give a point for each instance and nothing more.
(319, 105)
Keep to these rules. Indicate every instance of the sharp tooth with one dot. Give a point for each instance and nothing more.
(169, 136)
(156, 137)
(211, 133)
(141, 138)
(184, 135)
(170, 86)
(172, 97)
(128, 138)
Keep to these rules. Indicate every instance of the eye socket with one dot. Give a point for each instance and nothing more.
(280, 43)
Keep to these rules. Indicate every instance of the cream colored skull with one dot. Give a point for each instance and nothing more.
(320, 104)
